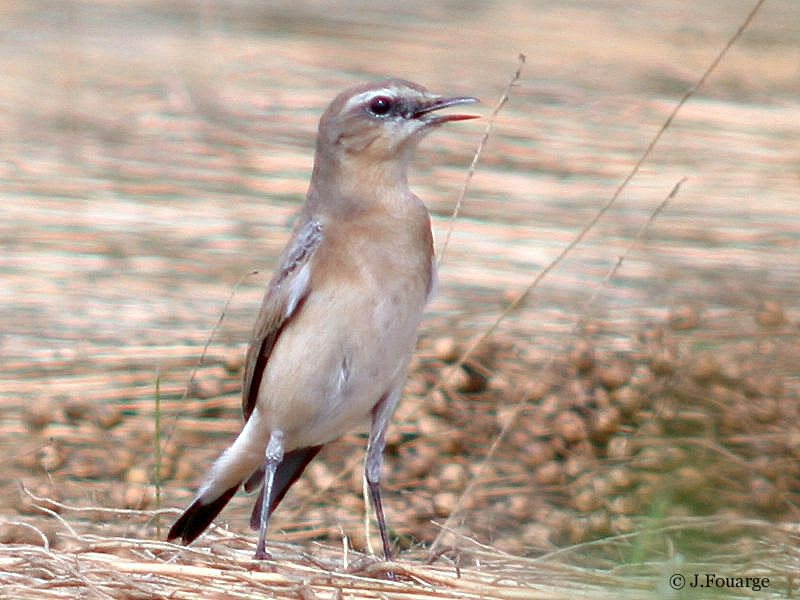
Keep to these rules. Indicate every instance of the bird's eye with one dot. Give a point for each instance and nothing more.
(380, 106)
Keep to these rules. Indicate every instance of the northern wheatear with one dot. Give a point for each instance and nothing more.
(339, 321)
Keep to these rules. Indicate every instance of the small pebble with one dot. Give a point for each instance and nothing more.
(602, 486)
(704, 367)
(206, 387)
(470, 380)
(453, 476)
(446, 349)
(614, 375)
(770, 313)
(76, 409)
(551, 473)
(663, 362)
(605, 422)
(620, 478)
(582, 356)
(519, 507)
(688, 479)
(577, 464)
(539, 453)
(537, 535)
(623, 505)
(619, 447)
(762, 493)
(107, 415)
(39, 413)
(570, 427)
(579, 530)
(51, 457)
(233, 360)
(599, 523)
(586, 501)
(684, 317)
(628, 398)
(444, 503)
(622, 524)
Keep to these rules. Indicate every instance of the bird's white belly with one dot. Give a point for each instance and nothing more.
(323, 379)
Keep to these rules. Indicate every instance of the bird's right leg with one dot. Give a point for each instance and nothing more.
(272, 459)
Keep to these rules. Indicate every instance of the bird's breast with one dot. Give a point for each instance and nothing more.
(351, 339)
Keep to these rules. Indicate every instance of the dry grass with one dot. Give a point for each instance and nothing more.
(110, 566)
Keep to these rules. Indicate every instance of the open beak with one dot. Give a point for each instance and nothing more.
(440, 103)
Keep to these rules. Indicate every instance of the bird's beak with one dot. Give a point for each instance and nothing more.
(440, 103)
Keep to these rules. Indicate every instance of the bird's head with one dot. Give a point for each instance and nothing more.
(383, 122)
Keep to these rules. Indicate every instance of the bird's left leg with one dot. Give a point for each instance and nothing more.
(272, 459)
(381, 415)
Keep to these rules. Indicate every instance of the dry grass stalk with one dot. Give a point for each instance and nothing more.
(569, 247)
(101, 566)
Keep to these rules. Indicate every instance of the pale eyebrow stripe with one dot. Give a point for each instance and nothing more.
(355, 100)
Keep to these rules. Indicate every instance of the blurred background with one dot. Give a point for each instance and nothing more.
(153, 153)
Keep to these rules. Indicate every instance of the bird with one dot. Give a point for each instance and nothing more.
(339, 321)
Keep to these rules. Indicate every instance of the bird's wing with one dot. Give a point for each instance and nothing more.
(285, 294)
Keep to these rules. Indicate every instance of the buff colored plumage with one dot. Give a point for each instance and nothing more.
(338, 324)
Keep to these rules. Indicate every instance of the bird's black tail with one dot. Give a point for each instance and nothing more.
(198, 517)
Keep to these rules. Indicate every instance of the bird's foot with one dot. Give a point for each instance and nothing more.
(373, 567)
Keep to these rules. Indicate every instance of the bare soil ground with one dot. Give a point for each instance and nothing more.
(152, 154)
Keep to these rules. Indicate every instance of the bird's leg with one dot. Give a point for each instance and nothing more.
(373, 472)
(377, 442)
(273, 458)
